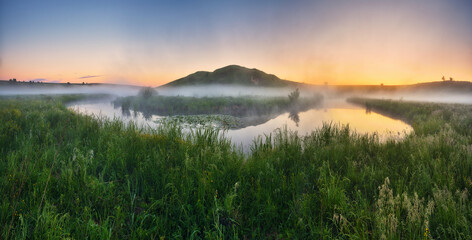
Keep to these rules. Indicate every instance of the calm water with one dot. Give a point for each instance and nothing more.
(338, 112)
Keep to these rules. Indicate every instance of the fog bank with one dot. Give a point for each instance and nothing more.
(431, 93)
(46, 89)
(215, 90)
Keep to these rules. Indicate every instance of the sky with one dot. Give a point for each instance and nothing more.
(151, 43)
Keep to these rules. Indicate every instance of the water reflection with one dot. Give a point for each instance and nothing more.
(305, 122)
(358, 119)
(125, 112)
(147, 115)
(295, 117)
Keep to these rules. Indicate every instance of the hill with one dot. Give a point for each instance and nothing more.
(232, 75)
(442, 86)
(426, 87)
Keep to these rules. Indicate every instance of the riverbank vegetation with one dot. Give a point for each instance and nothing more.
(66, 175)
(426, 118)
(150, 102)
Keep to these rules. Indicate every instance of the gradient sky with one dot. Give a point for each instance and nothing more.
(155, 42)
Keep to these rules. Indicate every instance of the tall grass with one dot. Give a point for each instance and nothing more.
(103, 179)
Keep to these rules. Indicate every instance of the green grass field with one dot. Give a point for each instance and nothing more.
(66, 175)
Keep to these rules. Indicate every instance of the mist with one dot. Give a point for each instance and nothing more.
(438, 97)
(56, 89)
(216, 90)
(436, 94)
(432, 93)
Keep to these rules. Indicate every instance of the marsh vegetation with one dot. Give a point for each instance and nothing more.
(65, 174)
(150, 102)
(223, 111)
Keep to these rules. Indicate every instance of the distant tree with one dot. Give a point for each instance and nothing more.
(451, 79)
(68, 83)
(14, 79)
(293, 96)
(83, 83)
(443, 78)
(147, 92)
(381, 84)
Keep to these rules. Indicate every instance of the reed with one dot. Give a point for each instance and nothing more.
(103, 179)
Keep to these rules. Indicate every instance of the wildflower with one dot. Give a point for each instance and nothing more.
(426, 233)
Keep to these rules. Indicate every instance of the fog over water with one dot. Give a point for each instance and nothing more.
(336, 112)
(232, 91)
(328, 92)
(333, 110)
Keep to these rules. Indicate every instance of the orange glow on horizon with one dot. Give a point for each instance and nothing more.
(350, 78)
(338, 43)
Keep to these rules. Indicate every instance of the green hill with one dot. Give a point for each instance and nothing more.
(442, 86)
(232, 75)
(459, 87)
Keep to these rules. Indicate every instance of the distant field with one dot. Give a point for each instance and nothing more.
(66, 175)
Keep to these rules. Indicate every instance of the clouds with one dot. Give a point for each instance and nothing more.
(90, 76)
(54, 81)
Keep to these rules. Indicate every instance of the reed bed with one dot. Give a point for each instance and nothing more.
(66, 175)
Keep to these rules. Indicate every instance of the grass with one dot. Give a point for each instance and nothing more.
(65, 175)
(427, 119)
